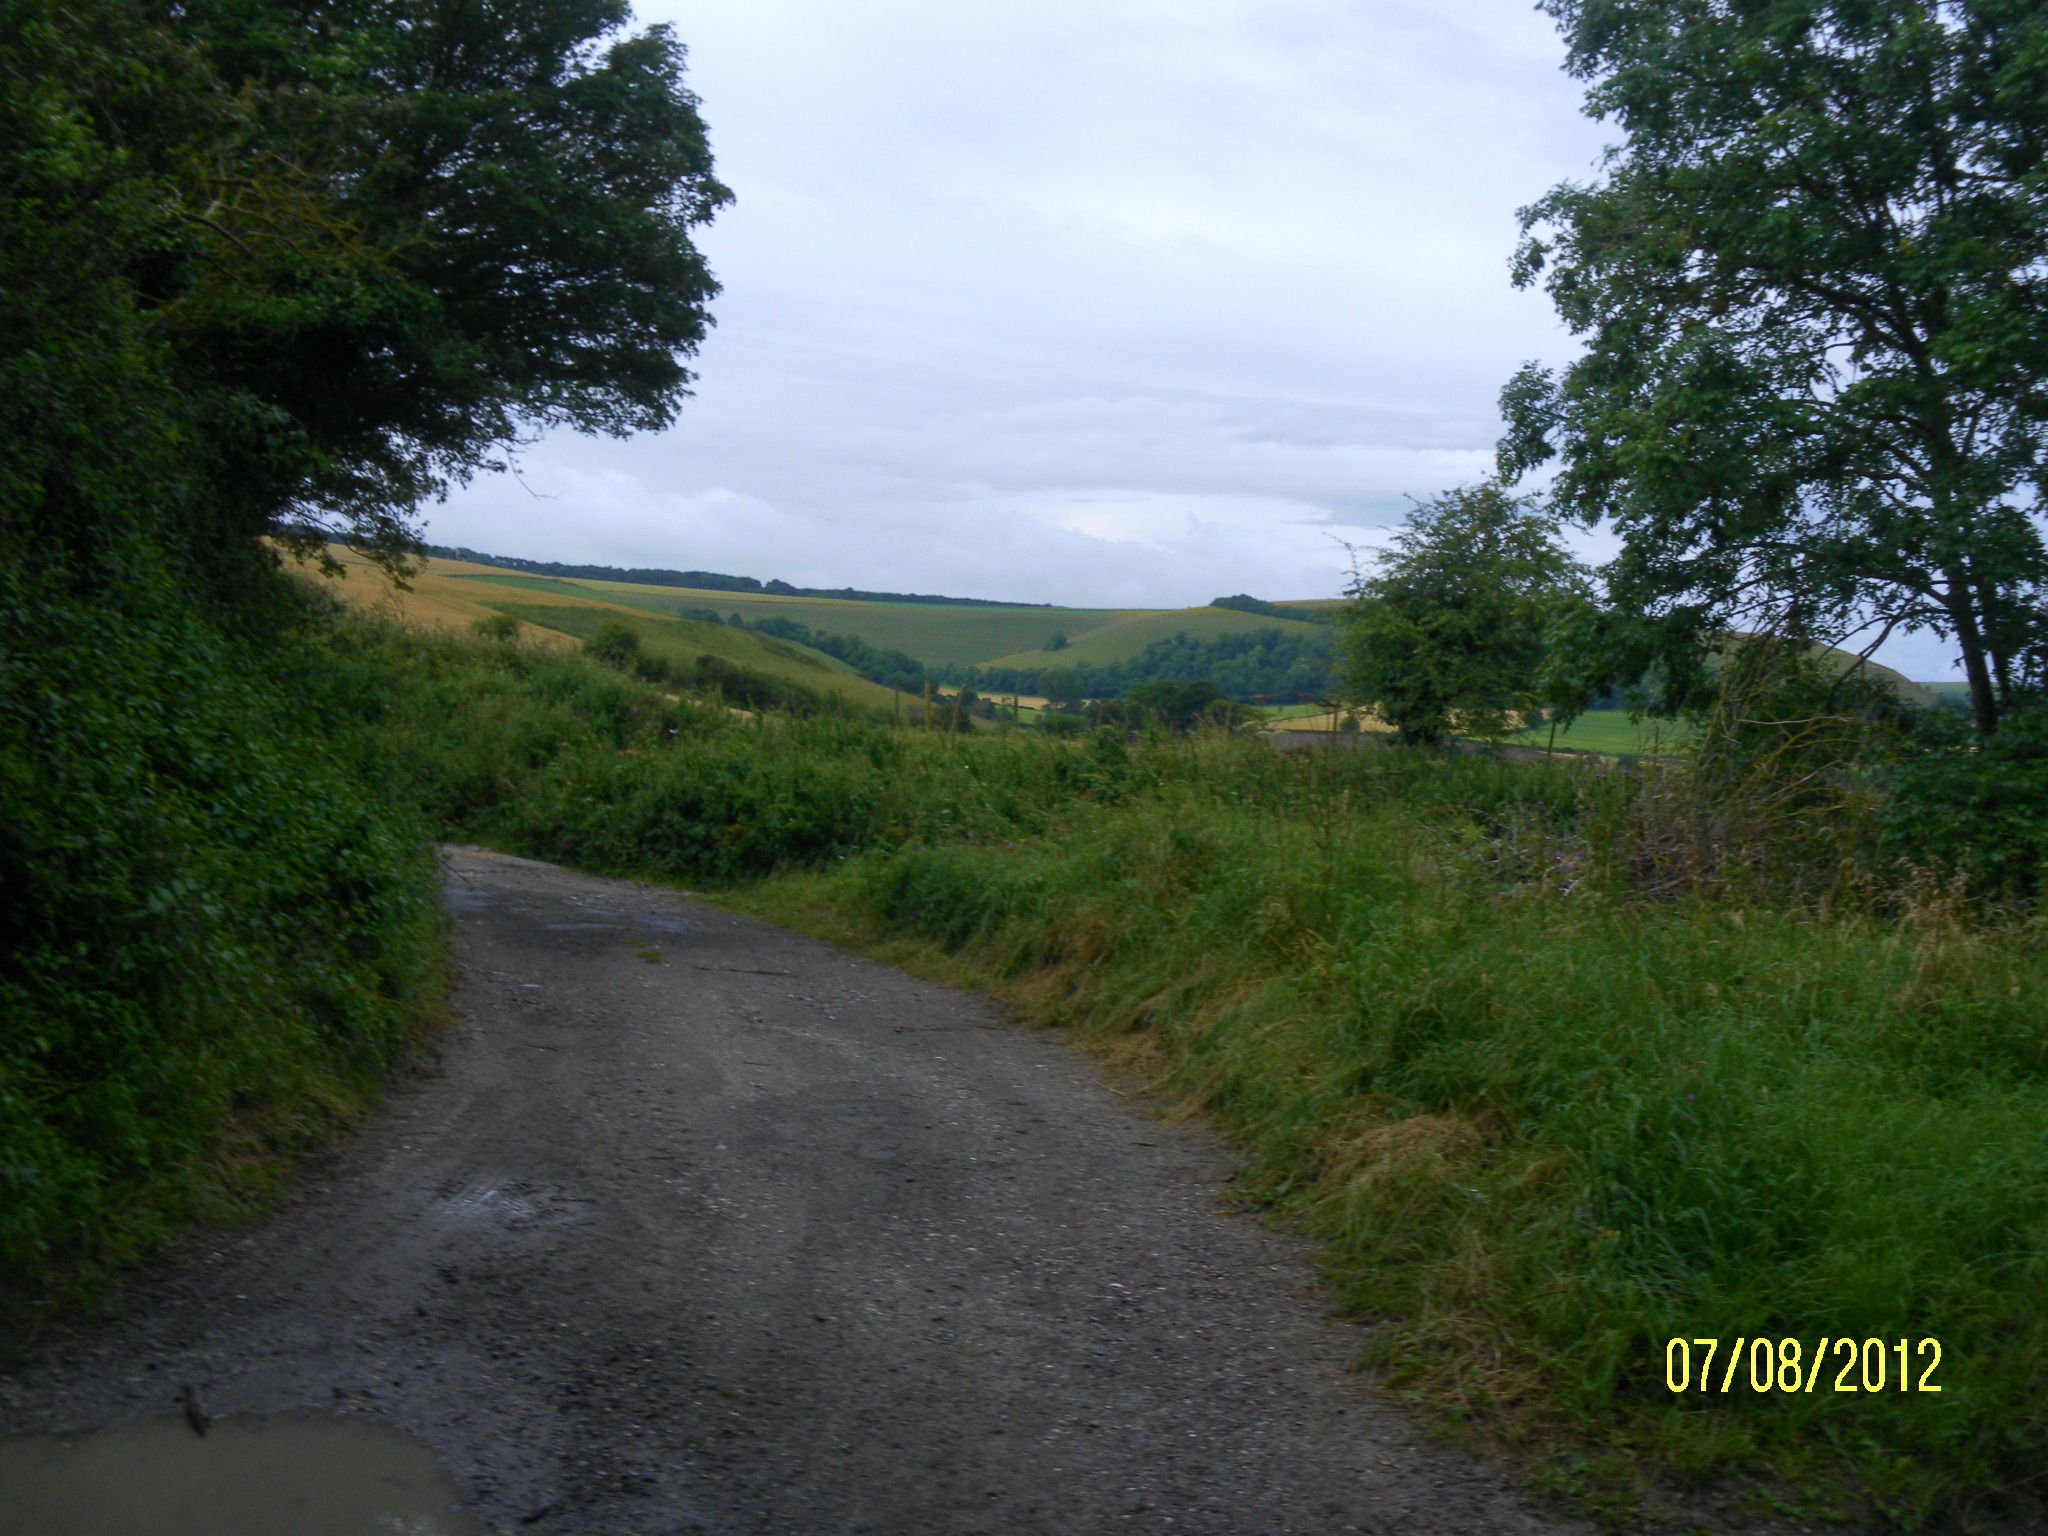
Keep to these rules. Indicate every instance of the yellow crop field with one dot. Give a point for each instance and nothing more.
(449, 594)
(434, 599)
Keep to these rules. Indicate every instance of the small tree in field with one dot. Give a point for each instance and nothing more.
(1447, 632)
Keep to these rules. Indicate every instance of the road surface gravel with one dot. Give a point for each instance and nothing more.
(694, 1225)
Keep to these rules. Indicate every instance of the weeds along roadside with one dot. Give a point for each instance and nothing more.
(1543, 1121)
(1544, 1134)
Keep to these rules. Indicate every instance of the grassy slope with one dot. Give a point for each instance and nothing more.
(436, 599)
(683, 640)
(932, 633)
(1131, 633)
(453, 594)
(1905, 687)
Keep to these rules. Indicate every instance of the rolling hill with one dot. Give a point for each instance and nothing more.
(562, 611)
(936, 634)
(1129, 633)
(448, 594)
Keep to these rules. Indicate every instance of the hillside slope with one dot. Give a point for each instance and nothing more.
(936, 635)
(454, 594)
(1126, 638)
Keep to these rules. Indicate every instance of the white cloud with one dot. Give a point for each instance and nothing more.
(1096, 301)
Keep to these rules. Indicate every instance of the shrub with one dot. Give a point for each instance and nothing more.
(1976, 805)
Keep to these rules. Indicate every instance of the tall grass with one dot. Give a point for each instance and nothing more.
(1543, 1119)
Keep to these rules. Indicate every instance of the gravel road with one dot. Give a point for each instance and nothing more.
(697, 1226)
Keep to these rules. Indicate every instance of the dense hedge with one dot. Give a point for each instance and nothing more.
(215, 933)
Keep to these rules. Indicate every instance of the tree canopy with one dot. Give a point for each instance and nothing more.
(354, 247)
(1812, 283)
(1449, 631)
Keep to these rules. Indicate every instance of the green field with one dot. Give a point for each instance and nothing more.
(935, 634)
(1126, 638)
(932, 633)
(1608, 731)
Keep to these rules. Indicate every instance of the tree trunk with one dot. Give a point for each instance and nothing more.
(1983, 695)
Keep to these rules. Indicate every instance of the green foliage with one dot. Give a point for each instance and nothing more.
(1450, 631)
(890, 668)
(615, 645)
(1976, 807)
(1177, 706)
(357, 248)
(1808, 283)
(1259, 663)
(262, 264)
(518, 183)
(567, 757)
(212, 927)
(1057, 722)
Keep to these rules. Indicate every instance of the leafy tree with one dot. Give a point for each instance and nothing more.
(1273, 662)
(1814, 395)
(1448, 633)
(1179, 706)
(615, 645)
(370, 243)
(1062, 685)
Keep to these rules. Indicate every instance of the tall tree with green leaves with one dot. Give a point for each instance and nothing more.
(367, 245)
(521, 178)
(1812, 283)
(1448, 631)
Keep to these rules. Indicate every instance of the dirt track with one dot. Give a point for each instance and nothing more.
(763, 1237)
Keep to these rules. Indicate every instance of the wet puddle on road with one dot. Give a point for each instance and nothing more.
(247, 1476)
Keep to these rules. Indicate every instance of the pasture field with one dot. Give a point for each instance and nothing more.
(1609, 732)
(934, 634)
(455, 593)
(1605, 732)
(1544, 1116)
(1126, 638)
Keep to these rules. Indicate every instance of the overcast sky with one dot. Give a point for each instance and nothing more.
(1104, 302)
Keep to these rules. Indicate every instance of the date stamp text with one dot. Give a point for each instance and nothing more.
(1784, 1365)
